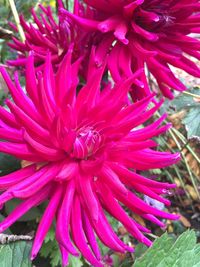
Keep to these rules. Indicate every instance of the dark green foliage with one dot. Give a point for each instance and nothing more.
(166, 252)
(15, 254)
(8, 164)
(192, 106)
(50, 250)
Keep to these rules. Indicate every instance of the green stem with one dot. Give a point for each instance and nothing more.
(191, 94)
(17, 20)
(184, 140)
(186, 164)
(181, 181)
(172, 180)
(177, 172)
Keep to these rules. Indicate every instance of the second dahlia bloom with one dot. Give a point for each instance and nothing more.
(85, 149)
(44, 35)
(154, 33)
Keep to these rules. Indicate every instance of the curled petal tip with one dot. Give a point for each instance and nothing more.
(176, 217)
(32, 257)
(177, 156)
(130, 249)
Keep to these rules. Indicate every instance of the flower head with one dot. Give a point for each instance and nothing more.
(150, 33)
(85, 149)
(45, 35)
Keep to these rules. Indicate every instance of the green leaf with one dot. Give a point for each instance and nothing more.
(75, 262)
(8, 164)
(15, 254)
(50, 235)
(192, 123)
(166, 252)
(184, 101)
(188, 103)
(140, 249)
(55, 257)
(51, 250)
(32, 214)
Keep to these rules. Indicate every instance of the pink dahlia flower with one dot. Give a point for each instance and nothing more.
(85, 148)
(44, 35)
(153, 33)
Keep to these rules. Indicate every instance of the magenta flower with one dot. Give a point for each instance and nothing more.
(85, 148)
(150, 33)
(44, 35)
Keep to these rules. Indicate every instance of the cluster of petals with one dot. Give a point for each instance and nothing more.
(151, 33)
(44, 35)
(86, 151)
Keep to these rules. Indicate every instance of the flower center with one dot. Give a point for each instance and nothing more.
(153, 19)
(86, 143)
